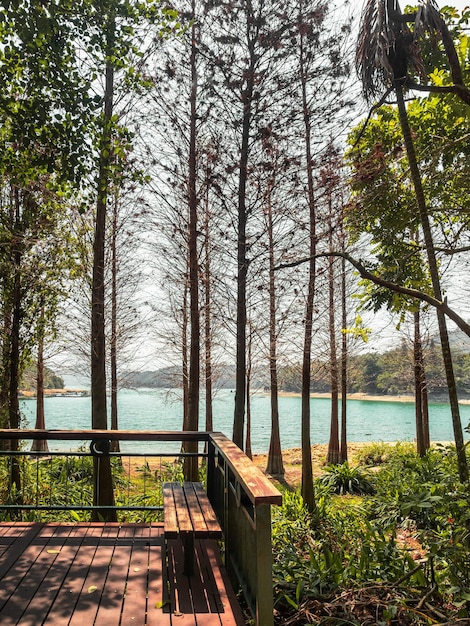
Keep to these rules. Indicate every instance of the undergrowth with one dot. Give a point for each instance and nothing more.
(354, 559)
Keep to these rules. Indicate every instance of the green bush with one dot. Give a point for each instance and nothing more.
(380, 453)
(346, 479)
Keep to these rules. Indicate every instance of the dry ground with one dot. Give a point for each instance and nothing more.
(292, 460)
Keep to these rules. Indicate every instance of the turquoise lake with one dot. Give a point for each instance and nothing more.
(158, 409)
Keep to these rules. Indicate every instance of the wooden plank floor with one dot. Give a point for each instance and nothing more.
(91, 574)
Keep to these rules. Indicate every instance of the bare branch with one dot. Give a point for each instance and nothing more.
(459, 90)
(378, 280)
(374, 108)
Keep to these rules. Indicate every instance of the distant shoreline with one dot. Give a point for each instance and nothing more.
(364, 397)
(61, 393)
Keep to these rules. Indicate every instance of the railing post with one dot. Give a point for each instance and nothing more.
(210, 468)
(264, 560)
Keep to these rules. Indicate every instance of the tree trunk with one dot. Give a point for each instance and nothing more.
(307, 487)
(275, 465)
(344, 365)
(14, 417)
(207, 316)
(103, 483)
(40, 445)
(242, 260)
(248, 450)
(191, 463)
(333, 456)
(115, 447)
(184, 355)
(422, 419)
(434, 272)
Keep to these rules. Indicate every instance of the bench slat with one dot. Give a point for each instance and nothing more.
(182, 513)
(210, 518)
(171, 521)
(194, 508)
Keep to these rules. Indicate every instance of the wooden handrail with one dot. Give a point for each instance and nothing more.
(257, 487)
(114, 435)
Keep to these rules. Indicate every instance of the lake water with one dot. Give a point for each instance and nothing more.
(158, 409)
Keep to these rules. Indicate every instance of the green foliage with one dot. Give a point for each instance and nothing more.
(387, 373)
(344, 479)
(383, 206)
(352, 543)
(315, 555)
(380, 453)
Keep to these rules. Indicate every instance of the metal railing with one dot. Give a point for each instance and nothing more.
(239, 492)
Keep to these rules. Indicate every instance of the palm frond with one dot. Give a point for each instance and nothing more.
(386, 47)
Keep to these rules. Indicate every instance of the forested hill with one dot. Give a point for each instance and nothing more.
(51, 380)
(388, 373)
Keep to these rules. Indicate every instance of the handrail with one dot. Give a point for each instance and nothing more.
(258, 488)
(113, 435)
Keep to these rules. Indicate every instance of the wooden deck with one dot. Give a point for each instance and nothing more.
(90, 574)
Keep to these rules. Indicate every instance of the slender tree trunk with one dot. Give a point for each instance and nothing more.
(184, 354)
(191, 463)
(242, 260)
(40, 445)
(344, 365)
(14, 417)
(307, 487)
(418, 404)
(333, 456)
(7, 309)
(5, 369)
(103, 484)
(115, 447)
(422, 420)
(207, 316)
(248, 450)
(275, 465)
(434, 272)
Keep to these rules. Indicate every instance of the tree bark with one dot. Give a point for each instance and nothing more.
(333, 456)
(14, 417)
(422, 418)
(275, 465)
(40, 445)
(115, 447)
(344, 365)
(307, 486)
(242, 260)
(208, 317)
(103, 484)
(434, 272)
(191, 463)
(248, 450)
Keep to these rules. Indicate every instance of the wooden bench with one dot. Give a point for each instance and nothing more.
(188, 514)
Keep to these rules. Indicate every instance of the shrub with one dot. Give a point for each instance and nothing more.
(380, 453)
(346, 479)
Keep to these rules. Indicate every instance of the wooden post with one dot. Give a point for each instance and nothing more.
(264, 582)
